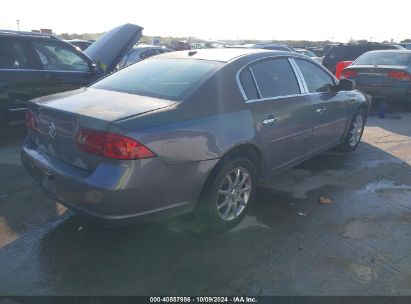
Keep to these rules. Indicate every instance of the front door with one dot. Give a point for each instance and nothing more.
(61, 67)
(331, 107)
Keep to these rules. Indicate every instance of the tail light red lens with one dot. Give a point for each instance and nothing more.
(111, 145)
(30, 120)
(399, 75)
(90, 141)
(347, 74)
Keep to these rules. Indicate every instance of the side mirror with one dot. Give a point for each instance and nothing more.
(346, 85)
(94, 69)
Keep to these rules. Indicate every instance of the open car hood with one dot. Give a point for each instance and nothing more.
(109, 49)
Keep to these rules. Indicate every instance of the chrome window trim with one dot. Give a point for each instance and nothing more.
(37, 70)
(17, 109)
(255, 82)
(275, 98)
(303, 91)
(240, 85)
(299, 76)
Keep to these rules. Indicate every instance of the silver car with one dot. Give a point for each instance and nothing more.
(187, 131)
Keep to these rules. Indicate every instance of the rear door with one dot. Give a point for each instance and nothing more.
(283, 116)
(331, 108)
(61, 66)
(18, 80)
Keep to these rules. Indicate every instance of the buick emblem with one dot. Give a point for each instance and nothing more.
(52, 129)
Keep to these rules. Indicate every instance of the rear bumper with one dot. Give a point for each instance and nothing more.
(143, 190)
(400, 94)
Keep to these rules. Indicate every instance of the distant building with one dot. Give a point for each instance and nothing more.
(46, 31)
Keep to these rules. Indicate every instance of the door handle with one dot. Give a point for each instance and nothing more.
(269, 120)
(320, 110)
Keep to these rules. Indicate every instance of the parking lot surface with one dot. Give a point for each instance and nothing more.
(289, 244)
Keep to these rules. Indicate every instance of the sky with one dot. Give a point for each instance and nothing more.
(220, 19)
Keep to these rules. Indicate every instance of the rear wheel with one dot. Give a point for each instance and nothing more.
(230, 193)
(354, 134)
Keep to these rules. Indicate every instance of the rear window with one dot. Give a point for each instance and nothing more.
(160, 78)
(384, 58)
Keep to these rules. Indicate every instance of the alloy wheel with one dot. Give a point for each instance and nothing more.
(356, 130)
(233, 194)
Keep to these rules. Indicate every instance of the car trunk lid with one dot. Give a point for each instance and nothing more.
(109, 49)
(60, 116)
(376, 75)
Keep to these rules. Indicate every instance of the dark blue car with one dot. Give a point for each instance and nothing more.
(383, 74)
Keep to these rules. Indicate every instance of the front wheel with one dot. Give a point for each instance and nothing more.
(230, 193)
(353, 137)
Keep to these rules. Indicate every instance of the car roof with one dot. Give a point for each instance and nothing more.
(143, 45)
(77, 40)
(26, 34)
(223, 55)
(404, 51)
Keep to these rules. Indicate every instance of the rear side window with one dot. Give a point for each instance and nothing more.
(317, 80)
(247, 82)
(161, 78)
(59, 57)
(275, 78)
(12, 55)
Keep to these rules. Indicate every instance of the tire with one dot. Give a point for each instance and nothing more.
(215, 204)
(354, 134)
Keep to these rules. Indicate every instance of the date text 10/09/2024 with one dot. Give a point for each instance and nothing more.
(203, 300)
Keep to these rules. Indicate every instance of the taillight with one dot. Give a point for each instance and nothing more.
(347, 74)
(30, 120)
(399, 75)
(341, 65)
(90, 141)
(111, 145)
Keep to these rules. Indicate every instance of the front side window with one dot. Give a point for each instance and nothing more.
(275, 78)
(317, 80)
(12, 55)
(161, 78)
(58, 57)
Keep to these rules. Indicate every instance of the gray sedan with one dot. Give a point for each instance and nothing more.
(187, 131)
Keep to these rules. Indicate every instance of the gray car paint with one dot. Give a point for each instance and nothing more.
(189, 138)
(109, 49)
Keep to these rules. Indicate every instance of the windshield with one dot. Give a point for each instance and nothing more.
(160, 78)
(384, 58)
